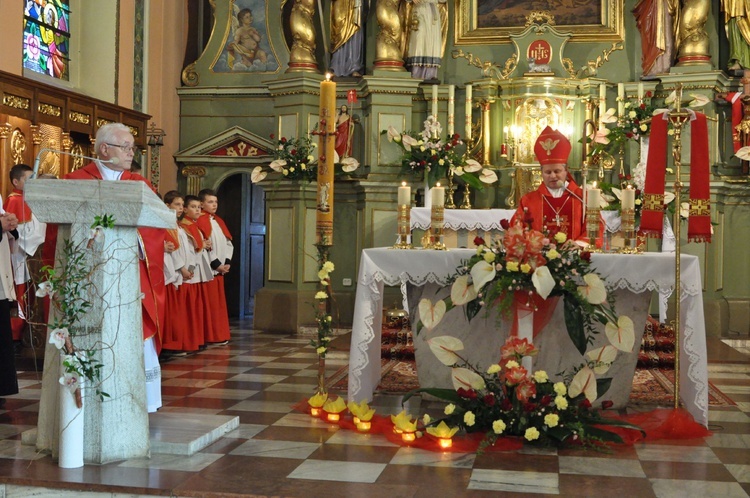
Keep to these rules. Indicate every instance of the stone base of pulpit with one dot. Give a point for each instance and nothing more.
(485, 334)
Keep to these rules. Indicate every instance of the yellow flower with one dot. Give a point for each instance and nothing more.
(317, 400)
(632, 114)
(560, 389)
(328, 266)
(553, 254)
(540, 376)
(512, 364)
(303, 166)
(638, 202)
(291, 170)
(321, 295)
(493, 369)
(441, 162)
(321, 350)
(531, 434)
(498, 426)
(469, 419)
(560, 237)
(670, 132)
(310, 158)
(285, 171)
(449, 409)
(511, 265)
(551, 420)
(421, 149)
(525, 268)
(561, 403)
(644, 127)
(426, 419)
(323, 275)
(489, 256)
(335, 406)
(442, 430)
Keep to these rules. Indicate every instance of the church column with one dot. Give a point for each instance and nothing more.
(692, 34)
(5, 160)
(388, 54)
(194, 175)
(302, 55)
(65, 161)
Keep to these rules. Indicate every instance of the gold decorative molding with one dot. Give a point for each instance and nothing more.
(16, 102)
(17, 146)
(77, 161)
(243, 150)
(591, 67)
(49, 109)
(5, 131)
(199, 171)
(79, 117)
(101, 122)
(489, 69)
(540, 17)
(190, 76)
(134, 131)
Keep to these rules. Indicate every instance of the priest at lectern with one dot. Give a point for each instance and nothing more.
(557, 204)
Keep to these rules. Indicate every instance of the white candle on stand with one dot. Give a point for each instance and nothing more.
(404, 195)
(435, 101)
(594, 197)
(468, 103)
(640, 92)
(451, 109)
(438, 196)
(628, 198)
(602, 103)
(620, 99)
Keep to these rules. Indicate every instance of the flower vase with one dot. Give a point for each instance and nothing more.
(526, 331)
(71, 425)
(427, 196)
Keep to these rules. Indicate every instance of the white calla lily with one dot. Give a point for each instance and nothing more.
(392, 133)
(444, 348)
(408, 142)
(481, 273)
(543, 281)
(488, 176)
(743, 153)
(431, 314)
(278, 165)
(698, 100)
(609, 117)
(468, 379)
(594, 290)
(462, 291)
(349, 164)
(622, 334)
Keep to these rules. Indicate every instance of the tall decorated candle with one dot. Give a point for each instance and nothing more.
(451, 109)
(327, 129)
(602, 103)
(628, 198)
(435, 101)
(620, 99)
(467, 121)
(404, 195)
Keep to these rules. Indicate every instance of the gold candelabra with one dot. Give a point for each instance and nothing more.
(593, 215)
(628, 227)
(404, 227)
(435, 233)
(449, 204)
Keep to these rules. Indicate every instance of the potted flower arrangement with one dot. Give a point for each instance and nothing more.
(294, 159)
(425, 155)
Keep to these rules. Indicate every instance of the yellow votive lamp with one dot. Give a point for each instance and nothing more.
(364, 425)
(445, 442)
(408, 437)
(333, 417)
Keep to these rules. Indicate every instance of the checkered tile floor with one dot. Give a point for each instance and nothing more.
(276, 452)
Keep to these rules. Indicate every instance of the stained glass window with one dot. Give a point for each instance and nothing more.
(46, 37)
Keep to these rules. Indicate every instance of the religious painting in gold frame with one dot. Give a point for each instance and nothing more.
(489, 22)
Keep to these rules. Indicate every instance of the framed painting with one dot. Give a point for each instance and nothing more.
(487, 22)
(246, 46)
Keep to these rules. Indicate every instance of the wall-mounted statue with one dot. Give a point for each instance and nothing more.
(737, 25)
(348, 18)
(657, 22)
(426, 28)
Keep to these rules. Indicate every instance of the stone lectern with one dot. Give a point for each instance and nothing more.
(117, 427)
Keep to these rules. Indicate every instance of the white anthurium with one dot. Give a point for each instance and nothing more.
(603, 357)
(481, 273)
(668, 197)
(609, 117)
(349, 164)
(617, 193)
(671, 98)
(698, 100)
(472, 166)
(408, 141)
(543, 281)
(684, 209)
(393, 134)
(431, 314)
(743, 153)
(622, 334)
(583, 382)
(258, 175)
(608, 198)
(594, 290)
(462, 291)
(278, 165)
(488, 176)
(444, 348)
(600, 136)
(459, 171)
(468, 379)
(336, 158)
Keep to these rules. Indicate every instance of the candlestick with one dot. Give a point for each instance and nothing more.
(620, 99)
(594, 197)
(628, 198)
(468, 104)
(602, 103)
(627, 217)
(404, 194)
(327, 137)
(437, 218)
(404, 218)
(435, 101)
(640, 92)
(451, 109)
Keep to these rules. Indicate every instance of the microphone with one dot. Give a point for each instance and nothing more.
(561, 184)
(113, 160)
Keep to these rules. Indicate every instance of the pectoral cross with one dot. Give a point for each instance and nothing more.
(558, 220)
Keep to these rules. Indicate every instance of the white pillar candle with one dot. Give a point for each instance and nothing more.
(594, 197)
(620, 99)
(628, 198)
(602, 103)
(469, 101)
(438, 196)
(451, 109)
(404, 195)
(640, 92)
(435, 101)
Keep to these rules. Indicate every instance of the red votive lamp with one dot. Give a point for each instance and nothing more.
(408, 437)
(364, 425)
(333, 417)
(445, 442)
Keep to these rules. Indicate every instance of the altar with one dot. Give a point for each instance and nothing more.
(635, 274)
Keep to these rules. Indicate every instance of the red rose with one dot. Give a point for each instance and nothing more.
(586, 255)
(546, 400)
(293, 152)
(606, 404)
(506, 405)
(621, 176)
(489, 400)
(272, 136)
(628, 177)
(642, 106)
(478, 241)
(629, 135)
(529, 407)
(447, 146)
(461, 392)
(456, 136)
(283, 140)
(649, 94)
(422, 163)
(505, 224)
(585, 404)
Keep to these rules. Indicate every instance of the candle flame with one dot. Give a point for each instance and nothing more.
(437, 184)
(328, 76)
(403, 184)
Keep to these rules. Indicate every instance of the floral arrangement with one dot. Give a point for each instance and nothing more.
(322, 317)
(69, 289)
(507, 400)
(294, 159)
(426, 155)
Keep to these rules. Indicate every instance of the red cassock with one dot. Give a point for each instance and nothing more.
(562, 214)
(152, 264)
(16, 205)
(177, 332)
(216, 301)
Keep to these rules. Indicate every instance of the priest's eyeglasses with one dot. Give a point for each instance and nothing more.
(125, 148)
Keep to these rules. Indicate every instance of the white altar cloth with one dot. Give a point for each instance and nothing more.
(636, 273)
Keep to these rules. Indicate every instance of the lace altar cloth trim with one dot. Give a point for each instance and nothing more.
(637, 273)
(463, 219)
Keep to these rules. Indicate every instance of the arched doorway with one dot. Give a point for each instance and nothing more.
(242, 206)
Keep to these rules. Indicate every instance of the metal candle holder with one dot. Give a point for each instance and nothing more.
(628, 227)
(592, 226)
(404, 227)
(436, 229)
